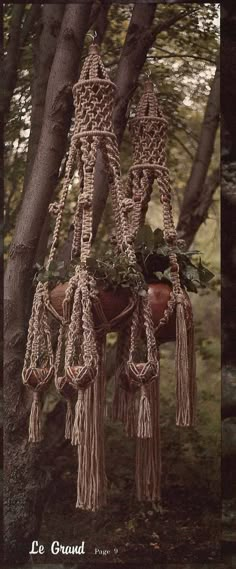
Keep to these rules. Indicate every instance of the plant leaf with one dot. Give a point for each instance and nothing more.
(158, 237)
(145, 237)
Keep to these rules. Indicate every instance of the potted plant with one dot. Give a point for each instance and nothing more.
(116, 280)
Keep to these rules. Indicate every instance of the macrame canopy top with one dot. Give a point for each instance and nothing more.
(148, 130)
(93, 97)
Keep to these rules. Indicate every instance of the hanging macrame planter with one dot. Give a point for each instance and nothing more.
(86, 311)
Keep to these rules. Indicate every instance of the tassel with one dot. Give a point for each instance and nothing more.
(148, 454)
(91, 479)
(183, 385)
(78, 428)
(192, 372)
(69, 420)
(35, 427)
(144, 416)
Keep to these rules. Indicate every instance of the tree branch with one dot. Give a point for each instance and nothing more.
(194, 192)
(181, 143)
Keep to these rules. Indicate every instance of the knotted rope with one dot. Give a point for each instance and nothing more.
(149, 130)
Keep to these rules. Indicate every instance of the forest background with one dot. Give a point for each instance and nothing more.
(178, 45)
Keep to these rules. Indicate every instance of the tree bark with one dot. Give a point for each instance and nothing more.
(192, 212)
(17, 39)
(45, 48)
(26, 473)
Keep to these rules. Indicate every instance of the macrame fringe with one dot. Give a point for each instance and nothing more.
(184, 388)
(144, 430)
(91, 480)
(78, 427)
(69, 420)
(148, 455)
(119, 404)
(35, 427)
(192, 371)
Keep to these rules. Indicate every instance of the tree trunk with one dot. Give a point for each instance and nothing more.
(17, 39)
(26, 473)
(52, 15)
(192, 212)
(45, 48)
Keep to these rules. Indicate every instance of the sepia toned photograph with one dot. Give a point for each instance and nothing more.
(119, 435)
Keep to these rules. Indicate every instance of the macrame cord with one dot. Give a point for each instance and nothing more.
(148, 130)
(79, 364)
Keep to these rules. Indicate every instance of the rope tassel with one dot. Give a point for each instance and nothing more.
(35, 427)
(192, 371)
(184, 392)
(144, 416)
(78, 427)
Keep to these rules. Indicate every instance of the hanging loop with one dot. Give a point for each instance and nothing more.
(92, 35)
(147, 74)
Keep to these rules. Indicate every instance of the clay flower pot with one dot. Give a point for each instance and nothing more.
(110, 312)
(114, 307)
(159, 295)
(35, 377)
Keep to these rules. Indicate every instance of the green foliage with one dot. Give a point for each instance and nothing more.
(115, 270)
(153, 258)
(110, 271)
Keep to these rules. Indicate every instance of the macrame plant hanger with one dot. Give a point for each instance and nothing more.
(79, 363)
(148, 131)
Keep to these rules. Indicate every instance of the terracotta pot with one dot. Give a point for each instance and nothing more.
(115, 307)
(159, 295)
(35, 377)
(112, 310)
